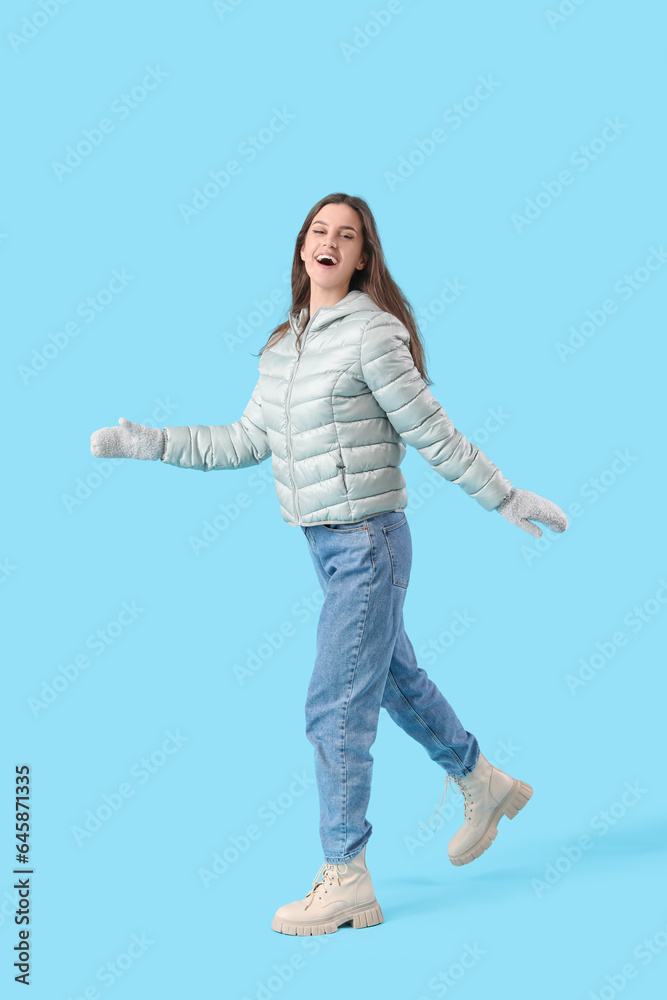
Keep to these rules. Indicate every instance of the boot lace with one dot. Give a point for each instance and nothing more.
(458, 788)
(329, 873)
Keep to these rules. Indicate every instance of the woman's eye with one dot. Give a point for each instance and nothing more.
(346, 235)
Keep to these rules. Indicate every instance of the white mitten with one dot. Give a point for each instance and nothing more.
(128, 441)
(520, 505)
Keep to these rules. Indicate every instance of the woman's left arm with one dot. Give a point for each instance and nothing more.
(389, 370)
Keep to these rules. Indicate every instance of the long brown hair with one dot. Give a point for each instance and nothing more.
(374, 279)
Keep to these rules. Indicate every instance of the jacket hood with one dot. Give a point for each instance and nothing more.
(354, 301)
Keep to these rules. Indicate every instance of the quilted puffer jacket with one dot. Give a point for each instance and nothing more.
(335, 409)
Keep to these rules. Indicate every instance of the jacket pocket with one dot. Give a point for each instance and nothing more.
(399, 543)
(340, 465)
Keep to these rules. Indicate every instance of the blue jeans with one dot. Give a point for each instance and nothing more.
(364, 661)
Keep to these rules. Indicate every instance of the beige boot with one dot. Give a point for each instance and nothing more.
(340, 893)
(489, 794)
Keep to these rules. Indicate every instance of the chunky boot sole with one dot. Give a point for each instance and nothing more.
(364, 915)
(515, 800)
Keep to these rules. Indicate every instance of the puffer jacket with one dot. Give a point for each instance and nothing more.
(335, 409)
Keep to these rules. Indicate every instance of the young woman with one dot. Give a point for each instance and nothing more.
(342, 388)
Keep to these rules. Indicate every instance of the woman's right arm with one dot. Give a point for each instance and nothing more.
(228, 446)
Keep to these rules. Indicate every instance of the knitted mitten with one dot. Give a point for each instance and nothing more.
(520, 505)
(128, 441)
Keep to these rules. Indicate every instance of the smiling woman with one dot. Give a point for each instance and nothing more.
(332, 251)
(342, 390)
(343, 227)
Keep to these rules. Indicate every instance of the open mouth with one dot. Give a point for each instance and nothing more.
(325, 260)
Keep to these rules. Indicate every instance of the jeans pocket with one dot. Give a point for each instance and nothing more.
(346, 526)
(399, 544)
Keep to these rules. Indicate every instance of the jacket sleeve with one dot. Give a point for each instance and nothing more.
(389, 371)
(228, 446)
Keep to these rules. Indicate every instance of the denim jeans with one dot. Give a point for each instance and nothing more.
(364, 661)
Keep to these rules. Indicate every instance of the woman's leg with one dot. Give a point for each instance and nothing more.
(411, 698)
(358, 565)
(415, 704)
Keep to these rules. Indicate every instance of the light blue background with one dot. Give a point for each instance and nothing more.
(539, 607)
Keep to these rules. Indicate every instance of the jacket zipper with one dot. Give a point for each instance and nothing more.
(287, 419)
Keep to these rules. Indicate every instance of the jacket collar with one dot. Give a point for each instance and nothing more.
(354, 301)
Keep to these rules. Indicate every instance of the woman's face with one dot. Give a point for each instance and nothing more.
(336, 232)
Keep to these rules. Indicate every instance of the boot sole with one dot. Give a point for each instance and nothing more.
(364, 915)
(515, 800)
